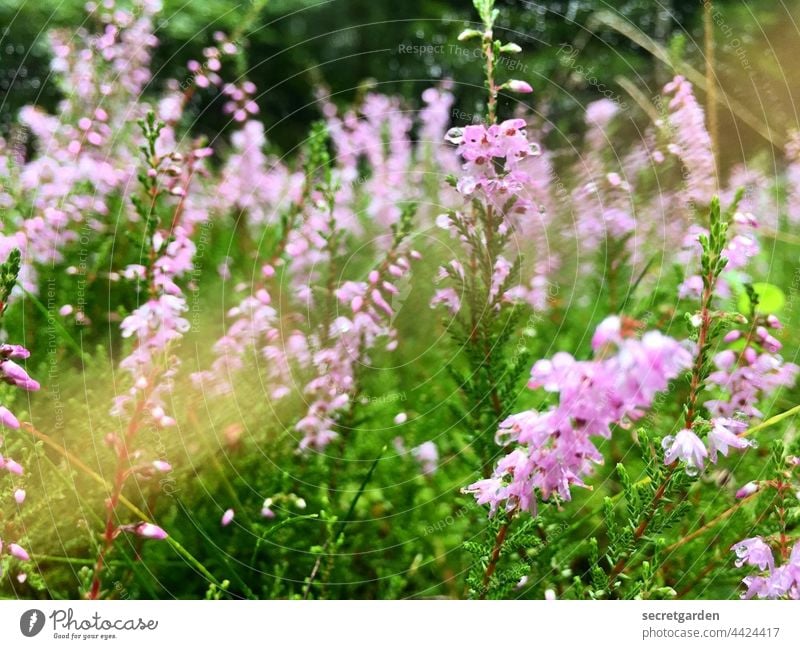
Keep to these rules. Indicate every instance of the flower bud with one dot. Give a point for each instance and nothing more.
(515, 85)
(469, 33)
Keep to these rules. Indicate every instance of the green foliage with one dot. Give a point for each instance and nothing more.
(9, 270)
(362, 521)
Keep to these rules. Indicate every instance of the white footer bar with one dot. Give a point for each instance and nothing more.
(385, 625)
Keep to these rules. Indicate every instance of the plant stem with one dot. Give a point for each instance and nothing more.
(77, 462)
(695, 385)
(488, 52)
(772, 420)
(699, 532)
(499, 540)
(120, 474)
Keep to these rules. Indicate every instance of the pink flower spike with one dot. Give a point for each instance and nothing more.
(18, 552)
(227, 517)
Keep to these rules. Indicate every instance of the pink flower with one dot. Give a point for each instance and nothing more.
(725, 435)
(427, 455)
(227, 517)
(747, 490)
(19, 496)
(754, 552)
(685, 446)
(18, 552)
(7, 418)
(12, 373)
(515, 85)
(447, 297)
(601, 112)
(145, 530)
(691, 141)
(12, 466)
(555, 449)
(607, 332)
(779, 581)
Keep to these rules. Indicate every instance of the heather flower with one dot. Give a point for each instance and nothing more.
(724, 435)
(687, 447)
(601, 112)
(15, 375)
(427, 455)
(515, 85)
(227, 518)
(7, 418)
(554, 449)
(775, 581)
(746, 376)
(145, 530)
(690, 140)
(19, 552)
(793, 177)
(448, 298)
(348, 339)
(12, 466)
(484, 150)
(747, 490)
(753, 552)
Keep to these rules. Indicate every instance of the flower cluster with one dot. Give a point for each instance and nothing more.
(690, 141)
(494, 158)
(368, 311)
(14, 374)
(379, 135)
(741, 247)
(774, 582)
(554, 448)
(745, 377)
(254, 184)
(751, 371)
(686, 445)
